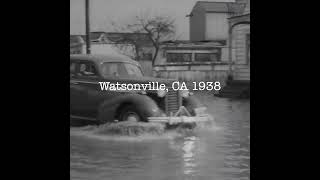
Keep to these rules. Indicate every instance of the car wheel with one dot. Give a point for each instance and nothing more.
(130, 113)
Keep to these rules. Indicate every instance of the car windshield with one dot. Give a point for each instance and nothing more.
(120, 69)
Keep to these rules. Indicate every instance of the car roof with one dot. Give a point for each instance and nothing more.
(97, 58)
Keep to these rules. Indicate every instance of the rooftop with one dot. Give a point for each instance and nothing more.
(195, 43)
(221, 7)
(117, 37)
(102, 58)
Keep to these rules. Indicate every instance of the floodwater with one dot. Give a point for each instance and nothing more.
(220, 151)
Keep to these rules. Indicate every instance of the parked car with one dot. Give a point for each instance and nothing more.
(89, 102)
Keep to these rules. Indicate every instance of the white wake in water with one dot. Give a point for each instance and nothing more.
(137, 131)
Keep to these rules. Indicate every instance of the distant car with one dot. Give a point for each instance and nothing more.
(89, 102)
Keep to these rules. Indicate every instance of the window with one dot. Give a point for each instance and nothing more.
(112, 69)
(72, 69)
(87, 69)
(121, 69)
(179, 57)
(132, 70)
(75, 51)
(207, 57)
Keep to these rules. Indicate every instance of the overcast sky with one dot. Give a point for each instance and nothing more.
(103, 12)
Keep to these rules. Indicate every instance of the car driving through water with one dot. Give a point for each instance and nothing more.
(88, 101)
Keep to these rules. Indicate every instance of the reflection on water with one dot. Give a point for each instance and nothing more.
(188, 155)
(219, 152)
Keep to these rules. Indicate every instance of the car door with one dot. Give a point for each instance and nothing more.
(96, 95)
(87, 82)
(109, 73)
(76, 90)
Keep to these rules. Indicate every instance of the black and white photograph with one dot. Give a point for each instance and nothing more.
(159, 89)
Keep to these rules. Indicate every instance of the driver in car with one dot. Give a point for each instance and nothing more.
(83, 71)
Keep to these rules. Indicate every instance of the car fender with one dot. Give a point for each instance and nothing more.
(109, 109)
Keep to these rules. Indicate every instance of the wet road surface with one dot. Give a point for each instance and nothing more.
(220, 151)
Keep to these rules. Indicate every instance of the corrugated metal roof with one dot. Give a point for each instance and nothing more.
(100, 58)
(94, 36)
(141, 38)
(119, 37)
(76, 39)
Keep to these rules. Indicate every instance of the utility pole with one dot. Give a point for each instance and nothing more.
(88, 43)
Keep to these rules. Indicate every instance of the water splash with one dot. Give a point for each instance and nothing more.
(210, 125)
(137, 131)
(127, 131)
(128, 128)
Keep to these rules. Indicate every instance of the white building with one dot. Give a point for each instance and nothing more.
(209, 20)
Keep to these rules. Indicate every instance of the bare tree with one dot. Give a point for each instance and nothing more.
(157, 29)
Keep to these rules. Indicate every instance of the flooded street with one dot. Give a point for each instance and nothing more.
(219, 152)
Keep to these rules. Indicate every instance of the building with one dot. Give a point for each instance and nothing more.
(76, 44)
(225, 21)
(193, 61)
(206, 56)
(209, 20)
(96, 37)
(239, 32)
(239, 58)
(219, 46)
